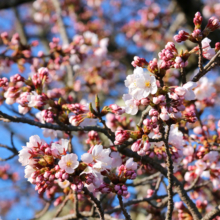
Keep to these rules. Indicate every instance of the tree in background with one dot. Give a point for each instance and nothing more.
(109, 109)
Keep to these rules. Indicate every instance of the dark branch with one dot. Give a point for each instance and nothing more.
(13, 3)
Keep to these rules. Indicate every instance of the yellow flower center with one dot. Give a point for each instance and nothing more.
(69, 163)
(147, 84)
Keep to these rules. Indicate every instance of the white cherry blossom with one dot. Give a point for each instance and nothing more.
(205, 89)
(141, 84)
(130, 164)
(69, 163)
(60, 147)
(28, 172)
(130, 104)
(189, 94)
(99, 157)
(207, 51)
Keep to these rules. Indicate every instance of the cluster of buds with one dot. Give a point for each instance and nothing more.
(180, 63)
(17, 78)
(141, 147)
(168, 55)
(197, 20)
(181, 36)
(93, 138)
(77, 186)
(153, 67)
(76, 108)
(89, 178)
(48, 116)
(141, 62)
(213, 24)
(121, 190)
(116, 109)
(116, 121)
(104, 188)
(190, 114)
(126, 173)
(121, 136)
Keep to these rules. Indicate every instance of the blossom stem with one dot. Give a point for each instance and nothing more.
(127, 216)
(200, 64)
(169, 163)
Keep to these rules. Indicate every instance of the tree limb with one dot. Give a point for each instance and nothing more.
(13, 3)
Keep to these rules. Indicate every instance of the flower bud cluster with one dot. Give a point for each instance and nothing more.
(141, 62)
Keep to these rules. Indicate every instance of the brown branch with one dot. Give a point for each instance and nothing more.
(207, 67)
(211, 215)
(64, 37)
(127, 216)
(20, 27)
(144, 180)
(96, 202)
(76, 205)
(43, 211)
(7, 118)
(169, 164)
(143, 116)
(62, 205)
(178, 186)
(200, 63)
(183, 76)
(13, 3)
(12, 149)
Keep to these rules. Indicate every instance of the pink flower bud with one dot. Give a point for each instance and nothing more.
(65, 176)
(47, 174)
(117, 187)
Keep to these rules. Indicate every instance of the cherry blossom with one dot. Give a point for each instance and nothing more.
(69, 163)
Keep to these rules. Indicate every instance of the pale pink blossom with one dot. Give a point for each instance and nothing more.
(189, 86)
(99, 157)
(116, 159)
(207, 52)
(131, 106)
(60, 147)
(200, 167)
(130, 164)
(69, 163)
(29, 170)
(63, 184)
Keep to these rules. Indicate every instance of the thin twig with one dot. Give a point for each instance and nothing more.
(96, 202)
(7, 118)
(62, 205)
(64, 37)
(143, 116)
(178, 186)
(127, 216)
(200, 63)
(207, 67)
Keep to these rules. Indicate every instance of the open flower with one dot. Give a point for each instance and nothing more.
(99, 157)
(189, 94)
(141, 84)
(131, 106)
(130, 164)
(207, 51)
(205, 89)
(69, 163)
(60, 147)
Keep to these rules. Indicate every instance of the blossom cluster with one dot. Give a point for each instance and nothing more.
(50, 165)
